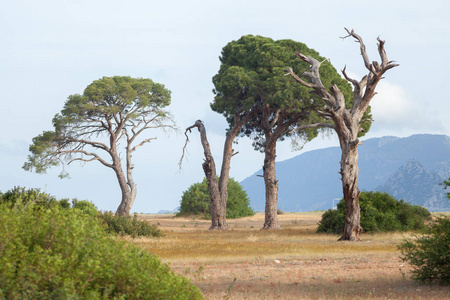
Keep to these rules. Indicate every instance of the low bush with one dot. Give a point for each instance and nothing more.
(430, 254)
(127, 225)
(195, 201)
(66, 254)
(379, 213)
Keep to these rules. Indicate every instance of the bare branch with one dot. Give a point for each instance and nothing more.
(351, 80)
(310, 126)
(142, 143)
(275, 118)
(196, 124)
(362, 47)
(366, 120)
(95, 157)
(93, 144)
(298, 79)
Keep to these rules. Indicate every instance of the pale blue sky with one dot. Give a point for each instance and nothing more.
(51, 49)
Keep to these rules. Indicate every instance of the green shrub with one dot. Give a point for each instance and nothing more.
(379, 213)
(195, 201)
(85, 206)
(332, 221)
(20, 197)
(127, 225)
(66, 254)
(43, 200)
(24, 196)
(430, 255)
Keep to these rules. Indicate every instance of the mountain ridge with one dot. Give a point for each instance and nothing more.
(310, 181)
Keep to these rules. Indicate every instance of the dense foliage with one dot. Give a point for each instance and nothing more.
(379, 212)
(430, 254)
(195, 201)
(53, 253)
(252, 71)
(123, 225)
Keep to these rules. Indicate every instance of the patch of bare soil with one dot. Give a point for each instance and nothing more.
(299, 263)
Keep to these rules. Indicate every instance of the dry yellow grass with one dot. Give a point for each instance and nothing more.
(292, 263)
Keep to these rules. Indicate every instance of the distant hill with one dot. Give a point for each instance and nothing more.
(165, 211)
(408, 168)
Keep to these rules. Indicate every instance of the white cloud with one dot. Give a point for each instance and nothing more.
(397, 113)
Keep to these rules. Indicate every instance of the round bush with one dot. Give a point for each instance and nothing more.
(195, 201)
(379, 212)
(66, 254)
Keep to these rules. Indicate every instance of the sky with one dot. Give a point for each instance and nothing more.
(53, 49)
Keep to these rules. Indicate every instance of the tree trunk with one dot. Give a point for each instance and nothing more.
(349, 172)
(224, 175)
(226, 165)
(271, 184)
(218, 218)
(128, 192)
(218, 192)
(347, 122)
(128, 196)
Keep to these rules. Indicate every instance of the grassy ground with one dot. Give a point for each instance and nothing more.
(292, 263)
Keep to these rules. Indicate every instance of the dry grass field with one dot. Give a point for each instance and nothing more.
(292, 263)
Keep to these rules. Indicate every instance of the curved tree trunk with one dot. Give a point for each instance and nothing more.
(128, 195)
(126, 183)
(349, 172)
(271, 184)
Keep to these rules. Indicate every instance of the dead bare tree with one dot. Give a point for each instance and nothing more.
(347, 121)
(218, 189)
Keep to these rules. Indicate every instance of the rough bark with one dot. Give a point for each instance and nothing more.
(347, 122)
(271, 185)
(218, 217)
(219, 194)
(349, 172)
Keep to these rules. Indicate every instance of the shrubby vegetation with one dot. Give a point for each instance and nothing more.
(195, 201)
(54, 253)
(115, 224)
(379, 212)
(430, 254)
(127, 225)
(24, 196)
